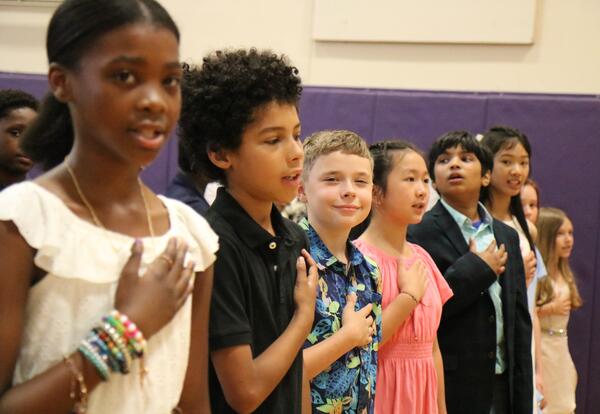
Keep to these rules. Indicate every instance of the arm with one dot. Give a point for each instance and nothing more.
(439, 370)
(412, 284)
(539, 372)
(52, 385)
(195, 394)
(151, 301)
(248, 381)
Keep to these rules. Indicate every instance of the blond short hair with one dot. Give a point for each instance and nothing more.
(325, 142)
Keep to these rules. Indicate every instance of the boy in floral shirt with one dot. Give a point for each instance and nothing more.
(340, 353)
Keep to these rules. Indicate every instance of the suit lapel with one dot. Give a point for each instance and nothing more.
(449, 228)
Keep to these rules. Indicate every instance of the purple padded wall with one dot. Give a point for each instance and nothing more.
(564, 134)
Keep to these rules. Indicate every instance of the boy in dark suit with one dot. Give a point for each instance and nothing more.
(485, 331)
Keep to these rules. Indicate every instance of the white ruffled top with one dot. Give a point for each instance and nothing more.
(83, 264)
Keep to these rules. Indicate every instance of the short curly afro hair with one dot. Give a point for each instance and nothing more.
(222, 97)
(11, 99)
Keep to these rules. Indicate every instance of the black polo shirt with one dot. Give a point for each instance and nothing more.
(253, 294)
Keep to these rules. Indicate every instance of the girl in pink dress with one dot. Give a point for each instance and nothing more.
(410, 375)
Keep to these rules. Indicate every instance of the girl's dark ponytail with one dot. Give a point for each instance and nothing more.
(48, 140)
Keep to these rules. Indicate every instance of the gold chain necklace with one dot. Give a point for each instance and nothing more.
(93, 212)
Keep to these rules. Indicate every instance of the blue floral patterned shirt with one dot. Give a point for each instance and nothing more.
(348, 385)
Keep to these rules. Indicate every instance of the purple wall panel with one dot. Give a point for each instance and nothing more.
(564, 134)
(420, 117)
(345, 109)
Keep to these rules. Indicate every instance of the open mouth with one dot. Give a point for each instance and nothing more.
(455, 177)
(292, 179)
(148, 137)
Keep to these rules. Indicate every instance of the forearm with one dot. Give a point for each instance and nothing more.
(248, 381)
(537, 336)
(320, 356)
(49, 392)
(439, 370)
(547, 309)
(306, 398)
(394, 315)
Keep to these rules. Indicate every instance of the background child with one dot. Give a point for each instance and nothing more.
(240, 126)
(17, 110)
(188, 186)
(340, 354)
(75, 240)
(410, 373)
(557, 296)
(512, 154)
(485, 330)
(530, 198)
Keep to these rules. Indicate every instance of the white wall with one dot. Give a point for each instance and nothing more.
(565, 56)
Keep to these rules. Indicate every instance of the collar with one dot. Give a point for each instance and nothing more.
(323, 256)
(248, 230)
(462, 220)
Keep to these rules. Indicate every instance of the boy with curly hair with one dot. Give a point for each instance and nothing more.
(239, 125)
(17, 110)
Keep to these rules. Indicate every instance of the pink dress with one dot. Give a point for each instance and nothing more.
(406, 376)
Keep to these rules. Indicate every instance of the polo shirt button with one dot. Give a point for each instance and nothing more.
(272, 245)
(491, 355)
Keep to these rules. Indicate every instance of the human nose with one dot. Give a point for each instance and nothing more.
(152, 99)
(296, 152)
(348, 188)
(422, 189)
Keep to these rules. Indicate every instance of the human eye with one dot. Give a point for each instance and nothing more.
(272, 140)
(330, 179)
(172, 81)
(410, 179)
(467, 157)
(124, 76)
(443, 160)
(15, 132)
(427, 180)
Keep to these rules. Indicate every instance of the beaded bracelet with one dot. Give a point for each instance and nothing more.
(90, 353)
(122, 353)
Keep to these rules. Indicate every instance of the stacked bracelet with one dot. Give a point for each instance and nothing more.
(113, 345)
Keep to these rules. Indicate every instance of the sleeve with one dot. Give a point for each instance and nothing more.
(229, 321)
(202, 241)
(523, 373)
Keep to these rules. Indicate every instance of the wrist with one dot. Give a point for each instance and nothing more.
(410, 295)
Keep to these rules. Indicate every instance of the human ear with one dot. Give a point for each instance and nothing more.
(377, 195)
(302, 193)
(486, 178)
(58, 81)
(221, 158)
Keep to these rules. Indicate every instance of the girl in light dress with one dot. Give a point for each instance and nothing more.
(557, 296)
(98, 272)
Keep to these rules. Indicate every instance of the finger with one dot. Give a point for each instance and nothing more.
(501, 249)
(309, 260)
(166, 259)
(132, 266)
(350, 300)
(369, 321)
(503, 258)
(178, 264)
(186, 294)
(186, 278)
(492, 246)
(472, 245)
(501, 270)
(366, 309)
(300, 270)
